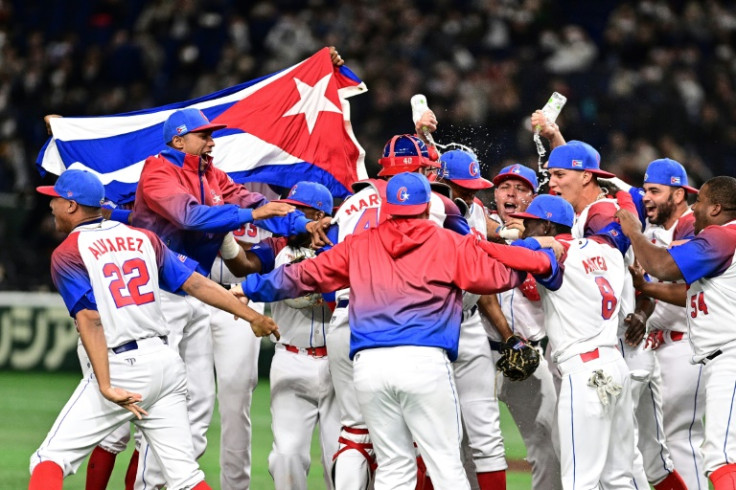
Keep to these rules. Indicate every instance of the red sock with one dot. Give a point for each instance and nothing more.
(99, 468)
(132, 471)
(673, 482)
(724, 478)
(202, 486)
(46, 476)
(423, 480)
(492, 480)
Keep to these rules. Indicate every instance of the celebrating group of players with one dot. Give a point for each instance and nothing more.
(605, 307)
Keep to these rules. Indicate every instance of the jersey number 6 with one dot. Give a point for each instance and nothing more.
(128, 293)
(608, 301)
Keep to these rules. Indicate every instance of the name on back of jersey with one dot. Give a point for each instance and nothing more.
(104, 245)
(594, 264)
(362, 204)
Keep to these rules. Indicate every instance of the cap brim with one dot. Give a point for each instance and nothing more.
(691, 190)
(523, 216)
(600, 173)
(208, 127)
(47, 190)
(293, 201)
(475, 184)
(408, 210)
(498, 179)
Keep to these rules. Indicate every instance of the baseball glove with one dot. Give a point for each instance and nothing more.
(518, 359)
(310, 300)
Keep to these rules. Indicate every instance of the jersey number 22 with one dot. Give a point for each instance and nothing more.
(126, 290)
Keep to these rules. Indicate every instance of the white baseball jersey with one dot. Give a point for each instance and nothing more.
(476, 217)
(248, 233)
(358, 212)
(667, 316)
(522, 307)
(123, 265)
(583, 313)
(708, 266)
(303, 327)
(591, 220)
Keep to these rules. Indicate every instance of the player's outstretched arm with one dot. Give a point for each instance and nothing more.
(93, 339)
(239, 261)
(674, 293)
(657, 261)
(211, 293)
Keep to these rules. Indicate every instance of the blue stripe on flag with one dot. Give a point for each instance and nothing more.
(287, 176)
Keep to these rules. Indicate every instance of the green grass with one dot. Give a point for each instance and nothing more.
(31, 402)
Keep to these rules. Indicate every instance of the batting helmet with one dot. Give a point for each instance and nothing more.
(405, 153)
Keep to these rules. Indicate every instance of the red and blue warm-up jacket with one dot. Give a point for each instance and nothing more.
(192, 209)
(406, 278)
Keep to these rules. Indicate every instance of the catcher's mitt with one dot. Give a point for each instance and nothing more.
(518, 359)
(310, 300)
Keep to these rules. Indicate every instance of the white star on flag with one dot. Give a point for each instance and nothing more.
(404, 196)
(312, 101)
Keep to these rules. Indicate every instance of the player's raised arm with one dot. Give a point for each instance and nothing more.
(211, 293)
(657, 261)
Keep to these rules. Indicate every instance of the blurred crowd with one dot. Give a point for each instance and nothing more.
(644, 79)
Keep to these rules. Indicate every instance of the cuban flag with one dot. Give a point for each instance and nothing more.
(283, 128)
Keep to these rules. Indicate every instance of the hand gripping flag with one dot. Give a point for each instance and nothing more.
(283, 128)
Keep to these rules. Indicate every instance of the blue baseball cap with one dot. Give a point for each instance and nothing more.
(520, 172)
(549, 208)
(407, 194)
(310, 194)
(669, 172)
(461, 168)
(189, 120)
(80, 186)
(577, 155)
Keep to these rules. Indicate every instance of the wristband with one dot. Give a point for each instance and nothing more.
(508, 233)
(229, 248)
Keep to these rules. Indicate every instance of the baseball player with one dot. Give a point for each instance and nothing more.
(706, 265)
(302, 394)
(668, 221)
(102, 459)
(574, 169)
(594, 409)
(355, 461)
(236, 354)
(406, 277)
(191, 205)
(476, 390)
(109, 276)
(518, 312)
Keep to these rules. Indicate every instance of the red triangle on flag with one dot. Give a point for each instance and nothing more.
(300, 112)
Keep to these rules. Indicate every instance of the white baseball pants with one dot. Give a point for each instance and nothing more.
(532, 404)
(302, 396)
(477, 396)
(351, 467)
(189, 323)
(158, 374)
(408, 394)
(719, 376)
(683, 405)
(646, 392)
(596, 441)
(236, 351)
